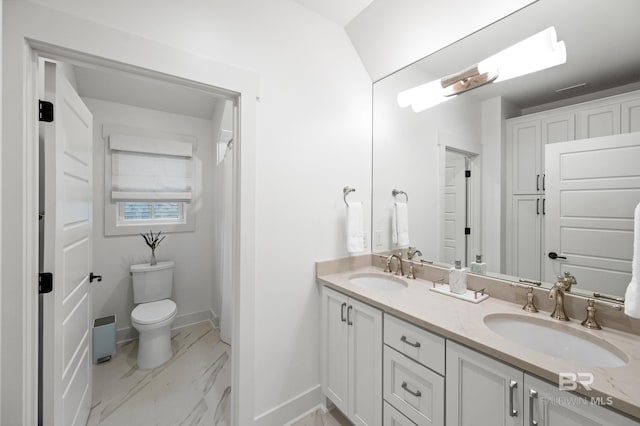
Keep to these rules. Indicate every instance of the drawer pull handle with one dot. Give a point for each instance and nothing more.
(342, 318)
(532, 395)
(349, 322)
(512, 386)
(414, 393)
(404, 340)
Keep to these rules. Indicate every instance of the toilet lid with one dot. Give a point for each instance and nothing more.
(152, 312)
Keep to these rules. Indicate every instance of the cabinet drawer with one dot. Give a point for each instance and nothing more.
(413, 389)
(416, 343)
(393, 417)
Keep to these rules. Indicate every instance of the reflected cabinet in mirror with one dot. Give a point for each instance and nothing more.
(524, 150)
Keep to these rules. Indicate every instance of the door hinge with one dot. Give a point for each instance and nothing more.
(467, 231)
(45, 282)
(45, 111)
(467, 173)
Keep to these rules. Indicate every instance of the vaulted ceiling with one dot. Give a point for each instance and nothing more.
(339, 11)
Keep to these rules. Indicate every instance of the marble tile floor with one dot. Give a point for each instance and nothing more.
(192, 388)
(319, 418)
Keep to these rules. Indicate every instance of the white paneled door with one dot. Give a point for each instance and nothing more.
(455, 205)
(593, 186)
(66, 344)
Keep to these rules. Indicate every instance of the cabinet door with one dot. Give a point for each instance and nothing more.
(599, 121)
(524, 251)
(335, 348)
(526, 157)
(546, 405)
(631, 116)
(559, 128)
(481, 390)
(365, 364)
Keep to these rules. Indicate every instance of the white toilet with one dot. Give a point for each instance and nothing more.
(155, 312)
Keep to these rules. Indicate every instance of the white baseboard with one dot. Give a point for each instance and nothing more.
(184, 320)
(293, 409)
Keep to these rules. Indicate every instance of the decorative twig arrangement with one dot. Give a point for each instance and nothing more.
(153, 241)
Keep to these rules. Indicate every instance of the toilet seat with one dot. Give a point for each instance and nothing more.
(153, 312)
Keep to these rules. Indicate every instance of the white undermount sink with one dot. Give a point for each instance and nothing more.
(375, 281)
(556, 339)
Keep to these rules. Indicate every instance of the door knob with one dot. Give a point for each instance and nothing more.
(92, 277)
(554, 255)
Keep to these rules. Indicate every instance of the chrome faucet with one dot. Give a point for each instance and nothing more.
(557, 291)
(398, 257)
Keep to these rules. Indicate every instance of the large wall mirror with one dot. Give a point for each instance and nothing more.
(539, 174)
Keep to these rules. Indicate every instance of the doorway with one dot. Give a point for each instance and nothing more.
(31, 31)
(459, 207)
(122, 101)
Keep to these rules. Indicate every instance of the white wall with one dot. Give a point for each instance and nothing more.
(314, 127)
(390, 34)
(494, 112)
(191, 251)
(26, 26)
(1, 144)
(409, 155)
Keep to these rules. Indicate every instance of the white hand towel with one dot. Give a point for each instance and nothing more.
(355, 228)
(400, 225)
(632, 295)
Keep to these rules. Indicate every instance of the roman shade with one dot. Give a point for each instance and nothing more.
(147, 169)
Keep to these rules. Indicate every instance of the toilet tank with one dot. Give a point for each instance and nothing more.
(151, 283)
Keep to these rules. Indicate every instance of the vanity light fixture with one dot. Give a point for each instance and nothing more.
(538, 52)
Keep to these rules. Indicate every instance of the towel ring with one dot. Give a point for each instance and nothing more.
(397, 192)
(346, 191)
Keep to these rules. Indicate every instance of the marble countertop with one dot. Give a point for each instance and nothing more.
(463, 322)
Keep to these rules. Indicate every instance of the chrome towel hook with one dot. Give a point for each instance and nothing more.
(346, 191)
(397, 192)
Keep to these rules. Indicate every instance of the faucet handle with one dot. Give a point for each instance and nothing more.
(412, 252)
(590, 321)
(530, 306)
(387, 267)
(570, 280)
(411, 275)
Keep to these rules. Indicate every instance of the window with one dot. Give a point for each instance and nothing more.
(138, 212)
(149, 182)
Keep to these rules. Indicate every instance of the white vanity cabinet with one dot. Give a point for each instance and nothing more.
(352, 357)
(481, 391)
(393, 417)
(414, 366)
(546, 405)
